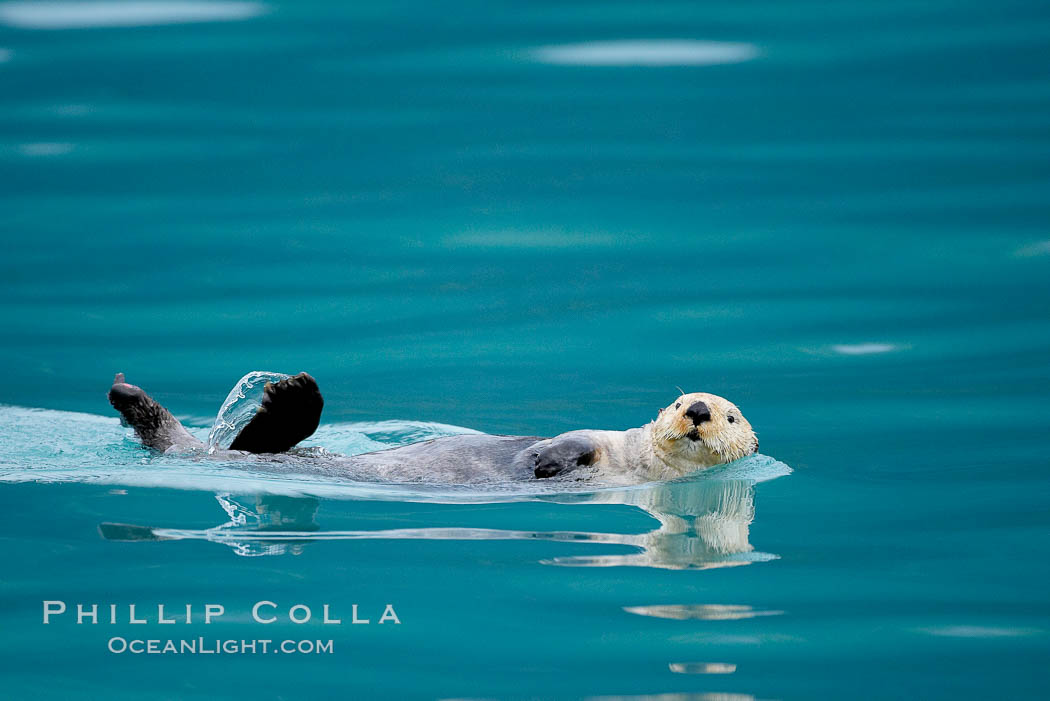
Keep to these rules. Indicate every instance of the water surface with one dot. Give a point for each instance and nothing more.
(528, 219)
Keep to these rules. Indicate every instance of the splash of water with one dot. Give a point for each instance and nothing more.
(239, 407)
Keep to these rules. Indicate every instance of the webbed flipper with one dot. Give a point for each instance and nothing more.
(290, 411)
(154, 424)
(565, 454)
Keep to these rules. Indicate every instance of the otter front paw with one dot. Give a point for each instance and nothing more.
(565, 455)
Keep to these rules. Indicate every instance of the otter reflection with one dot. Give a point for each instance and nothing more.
(701, 523)
(269, 513)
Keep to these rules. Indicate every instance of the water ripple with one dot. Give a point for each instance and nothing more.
(702, 667)
(84, 15)
(700, 612)
(646, 52)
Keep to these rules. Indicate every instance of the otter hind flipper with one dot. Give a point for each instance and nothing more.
(290, 412)
(565, 454)
(154, 424)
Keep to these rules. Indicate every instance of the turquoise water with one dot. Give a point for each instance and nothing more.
(527, 219)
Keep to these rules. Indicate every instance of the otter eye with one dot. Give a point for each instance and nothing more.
(731, 418)
(678, 405)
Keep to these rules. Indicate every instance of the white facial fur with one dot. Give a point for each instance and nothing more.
(685, 447)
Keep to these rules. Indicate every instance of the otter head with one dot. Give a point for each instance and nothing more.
(700, 430)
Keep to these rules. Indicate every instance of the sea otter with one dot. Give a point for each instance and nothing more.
(698, 430)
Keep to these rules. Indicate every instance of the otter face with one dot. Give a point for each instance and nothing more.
(701, 430)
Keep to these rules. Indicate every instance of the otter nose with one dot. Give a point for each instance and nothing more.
(699, 413)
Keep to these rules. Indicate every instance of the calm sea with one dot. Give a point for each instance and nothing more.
(528, 218)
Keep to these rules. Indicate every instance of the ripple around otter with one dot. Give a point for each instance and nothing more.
(41, 445)
(701, 521)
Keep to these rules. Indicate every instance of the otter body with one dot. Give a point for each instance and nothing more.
(699, 430)
(474, 457)
(471, 457)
